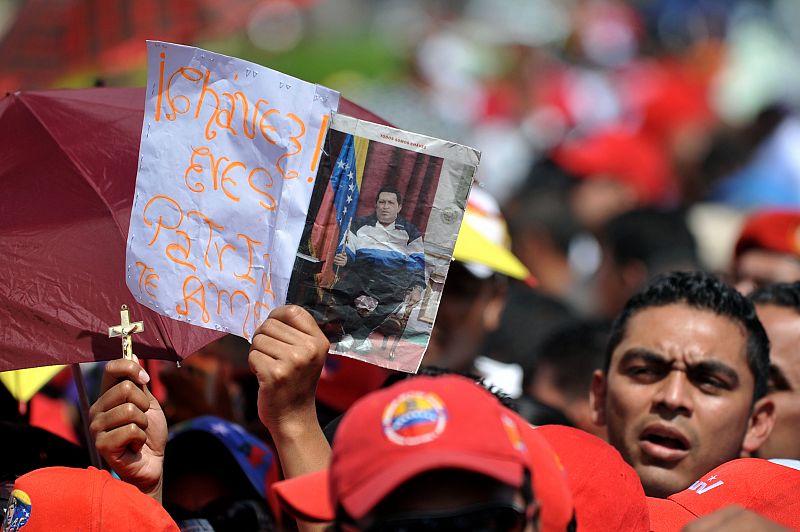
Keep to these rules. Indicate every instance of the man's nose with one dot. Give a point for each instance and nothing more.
(674, 394)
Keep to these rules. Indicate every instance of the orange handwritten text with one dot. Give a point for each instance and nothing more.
(203, 160)
(168, 204)
(147, 279)
(231, 297)
(188, 89)
(197, 295)
(295, 141)
(178, 246)
(250, 244)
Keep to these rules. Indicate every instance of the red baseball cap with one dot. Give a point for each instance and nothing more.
(773, 230)
(550, 479)
(395, 434)
(65, 498)
(764, 487)
(607, 491)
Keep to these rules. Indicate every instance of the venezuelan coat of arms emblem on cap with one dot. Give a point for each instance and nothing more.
(18, 511)
(413, 418)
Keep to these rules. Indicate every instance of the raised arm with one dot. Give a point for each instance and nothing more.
(287, 356)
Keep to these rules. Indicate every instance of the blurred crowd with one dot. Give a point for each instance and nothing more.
(622, 142)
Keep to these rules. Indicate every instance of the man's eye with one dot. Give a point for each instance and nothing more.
(711, 383)
(642, 372)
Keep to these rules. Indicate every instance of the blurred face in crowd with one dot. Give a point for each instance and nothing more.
(469, 309)
(597, 200)
(387, 207)
(544, 388)
(758, 267)
(615, 284)
(678, 396)
(783, 329)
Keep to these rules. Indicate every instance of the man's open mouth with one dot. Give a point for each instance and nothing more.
(664, 443)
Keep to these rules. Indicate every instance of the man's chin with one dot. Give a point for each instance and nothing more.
(661, 482)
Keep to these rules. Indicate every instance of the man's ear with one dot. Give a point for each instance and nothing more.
(597, 397)
(762, 419)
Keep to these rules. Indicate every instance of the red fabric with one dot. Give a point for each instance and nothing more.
(678, 102)
(325, 237)
(344, 380)
(417, 425)
(773, 230)
(668, 94)
(64, 498)
(752, 483)
(617, 155)
(599, 480)
(550, 479)
(53, 416)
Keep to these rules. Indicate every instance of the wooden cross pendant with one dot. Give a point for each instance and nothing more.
(125, 329)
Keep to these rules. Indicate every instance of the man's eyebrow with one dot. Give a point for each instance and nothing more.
(708, 366)
(643, 355)
(720, 368)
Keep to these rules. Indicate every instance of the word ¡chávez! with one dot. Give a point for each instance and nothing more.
(262, 120)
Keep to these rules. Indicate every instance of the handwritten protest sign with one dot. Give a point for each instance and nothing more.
(228, 160)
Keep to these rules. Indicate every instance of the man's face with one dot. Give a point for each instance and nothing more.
(387, 208)
(783, 329)
(759, 267)
(677, 396)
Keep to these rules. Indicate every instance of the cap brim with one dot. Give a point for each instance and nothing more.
(472, 247)
(667, 515)
(359, 501)
(307, 497)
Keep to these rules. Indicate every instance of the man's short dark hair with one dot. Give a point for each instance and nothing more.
(778, 294)
(706, 292)
(390, 190)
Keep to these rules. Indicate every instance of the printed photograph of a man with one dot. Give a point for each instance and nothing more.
(381, 270)
(380, 231)
(361, 270)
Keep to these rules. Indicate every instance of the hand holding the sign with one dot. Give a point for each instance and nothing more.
(340, 259)
(287, 356)
(129, 427)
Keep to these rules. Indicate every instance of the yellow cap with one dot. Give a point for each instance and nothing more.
(483, 244)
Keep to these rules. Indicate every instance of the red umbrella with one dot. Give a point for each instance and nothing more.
(67, 178)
